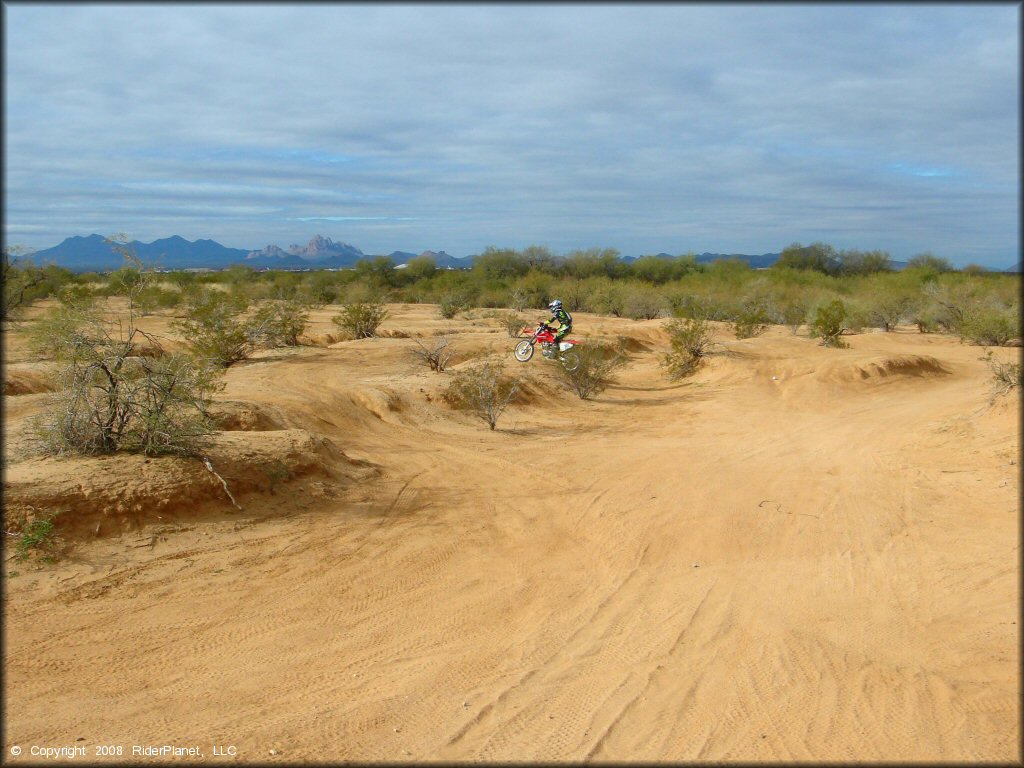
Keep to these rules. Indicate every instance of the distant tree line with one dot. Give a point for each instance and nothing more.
(928, 293)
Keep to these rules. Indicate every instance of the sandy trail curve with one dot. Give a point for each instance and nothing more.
(799, 554)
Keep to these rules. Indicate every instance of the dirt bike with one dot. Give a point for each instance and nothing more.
(545, 334)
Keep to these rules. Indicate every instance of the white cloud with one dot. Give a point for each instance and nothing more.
(653, 127)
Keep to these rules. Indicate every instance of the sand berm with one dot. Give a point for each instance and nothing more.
(796, 554)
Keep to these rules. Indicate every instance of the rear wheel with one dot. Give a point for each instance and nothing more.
(571, 360)
(524, 351)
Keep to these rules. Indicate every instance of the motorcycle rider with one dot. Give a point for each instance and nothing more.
(563, 318)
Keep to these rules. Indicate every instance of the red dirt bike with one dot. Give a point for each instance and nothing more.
(545, 334)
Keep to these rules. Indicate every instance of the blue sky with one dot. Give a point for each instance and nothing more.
(645, 128)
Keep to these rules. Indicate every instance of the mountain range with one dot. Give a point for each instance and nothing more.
(95, 254)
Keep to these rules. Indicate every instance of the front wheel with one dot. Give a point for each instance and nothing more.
(524, 351)
(571, 360)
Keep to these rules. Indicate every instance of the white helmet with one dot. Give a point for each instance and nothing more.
(555, 305)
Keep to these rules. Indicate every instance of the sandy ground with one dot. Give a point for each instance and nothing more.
(798, 554)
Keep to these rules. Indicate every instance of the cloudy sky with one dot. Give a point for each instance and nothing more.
(645, 128)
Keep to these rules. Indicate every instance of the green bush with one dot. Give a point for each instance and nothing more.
(213, 326)
(990, 325)
(858, 316)
(691, 340)
(751, 319)
(703, 306)
(926, 316)
(279, 323)
(512, 323)
(643, 302)
(598, 363)
(887, 308)
(38, 535)
(76, 295)
(608, 298)
(829, 322)
(452, 303)
(361, 319)
(793, 313)
(22, 280)
(153, 297)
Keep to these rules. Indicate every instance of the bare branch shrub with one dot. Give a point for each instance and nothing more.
(482, 389)
(519, 299)
(1005, 376)
(116, 389)
(437, 353)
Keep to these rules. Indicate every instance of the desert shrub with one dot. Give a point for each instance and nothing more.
(751, 318)
(357, 292)
(538, 287)
(154, 297)
(125, 280)
(575, 294)
(829, 323)
(150, 405)
(704, 306)
(512, 323)
(253, 291)
(519, 299)
(180, 279)
(213, 326)
(954, 298)
(930, 262)
(110, 396)
(22, 281)
(989, 325)
(1005, 376)
(793, 314)
(888, 307)
(685, 304)
(491, 298)
(37, 535)
(643, 302)
(595, 372)
(925, 315)
(360, 320)
(482, 389)
(453, 302)
(320, 287)
(691, 340)
(76, 295)
(279, 323)
(437, 353)
(608, 298)
(858, 316)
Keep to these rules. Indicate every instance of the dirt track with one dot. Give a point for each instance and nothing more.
(799, 554)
